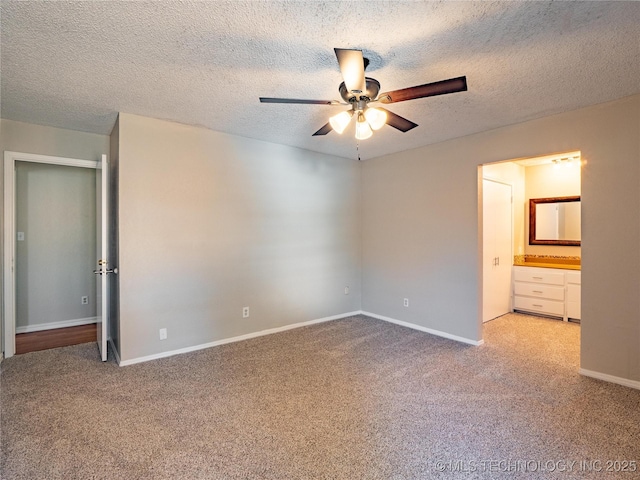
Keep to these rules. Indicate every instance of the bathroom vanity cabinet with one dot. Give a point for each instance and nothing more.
(547, 291)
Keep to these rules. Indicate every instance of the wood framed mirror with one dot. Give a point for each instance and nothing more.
(555, 221)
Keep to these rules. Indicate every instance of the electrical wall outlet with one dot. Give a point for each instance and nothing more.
(84, 300)
(245, 312)
(346, 290)
(406, 302)
(163, 334)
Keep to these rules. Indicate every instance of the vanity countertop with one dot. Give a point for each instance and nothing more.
(547, 265)
(547, 261)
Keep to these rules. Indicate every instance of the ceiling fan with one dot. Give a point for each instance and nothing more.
(360, 92)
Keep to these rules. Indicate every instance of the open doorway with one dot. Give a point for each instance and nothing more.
(51, 217)
(55, 220)
(541, 275)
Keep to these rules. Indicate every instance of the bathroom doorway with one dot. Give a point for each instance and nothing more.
(539, 180)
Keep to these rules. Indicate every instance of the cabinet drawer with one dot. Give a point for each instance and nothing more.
(549, 307)
(539, 291)
(574, 277)
(528, 274)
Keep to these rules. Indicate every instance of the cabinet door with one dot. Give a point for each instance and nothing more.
(573, 301)
(497, 249)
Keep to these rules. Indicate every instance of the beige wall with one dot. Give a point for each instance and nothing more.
(210, 223)
(512, 174)
(114, 284)
(544, 181)
(421, 234)
(28, 138)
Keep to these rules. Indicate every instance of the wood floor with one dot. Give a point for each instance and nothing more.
(59, 337)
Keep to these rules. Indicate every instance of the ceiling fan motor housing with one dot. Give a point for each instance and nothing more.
(372, 88)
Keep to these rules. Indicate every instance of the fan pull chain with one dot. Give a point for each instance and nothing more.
(358, 149)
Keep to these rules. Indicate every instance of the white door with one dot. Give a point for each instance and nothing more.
(103, 267)
(497, 249)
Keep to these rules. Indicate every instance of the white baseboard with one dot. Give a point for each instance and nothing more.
(425, 329)
(239, 338)
(114, 350)
(50, 326)
(611, 378)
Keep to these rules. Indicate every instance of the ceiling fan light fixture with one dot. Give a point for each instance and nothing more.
(363, 130)
(340, 121)
(357, 90)
(376, 117)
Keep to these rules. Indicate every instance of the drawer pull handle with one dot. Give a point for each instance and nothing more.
(537, 291)
(536, 305)
(537, 278)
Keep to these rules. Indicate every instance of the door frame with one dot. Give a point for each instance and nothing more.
(8, 270)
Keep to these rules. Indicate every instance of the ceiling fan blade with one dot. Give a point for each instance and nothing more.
(299, 100)
(396, 121)
(452, 85)
(352, 68)
(324, 130)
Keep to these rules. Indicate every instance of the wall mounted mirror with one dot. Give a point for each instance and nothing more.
(554, 221)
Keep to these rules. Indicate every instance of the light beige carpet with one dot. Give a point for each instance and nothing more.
(350, 399)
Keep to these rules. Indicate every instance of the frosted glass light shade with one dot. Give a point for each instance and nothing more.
(376, 118)
(340, 121)
(363, 130)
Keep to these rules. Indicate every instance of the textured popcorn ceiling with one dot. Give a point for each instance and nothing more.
(75, 65)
